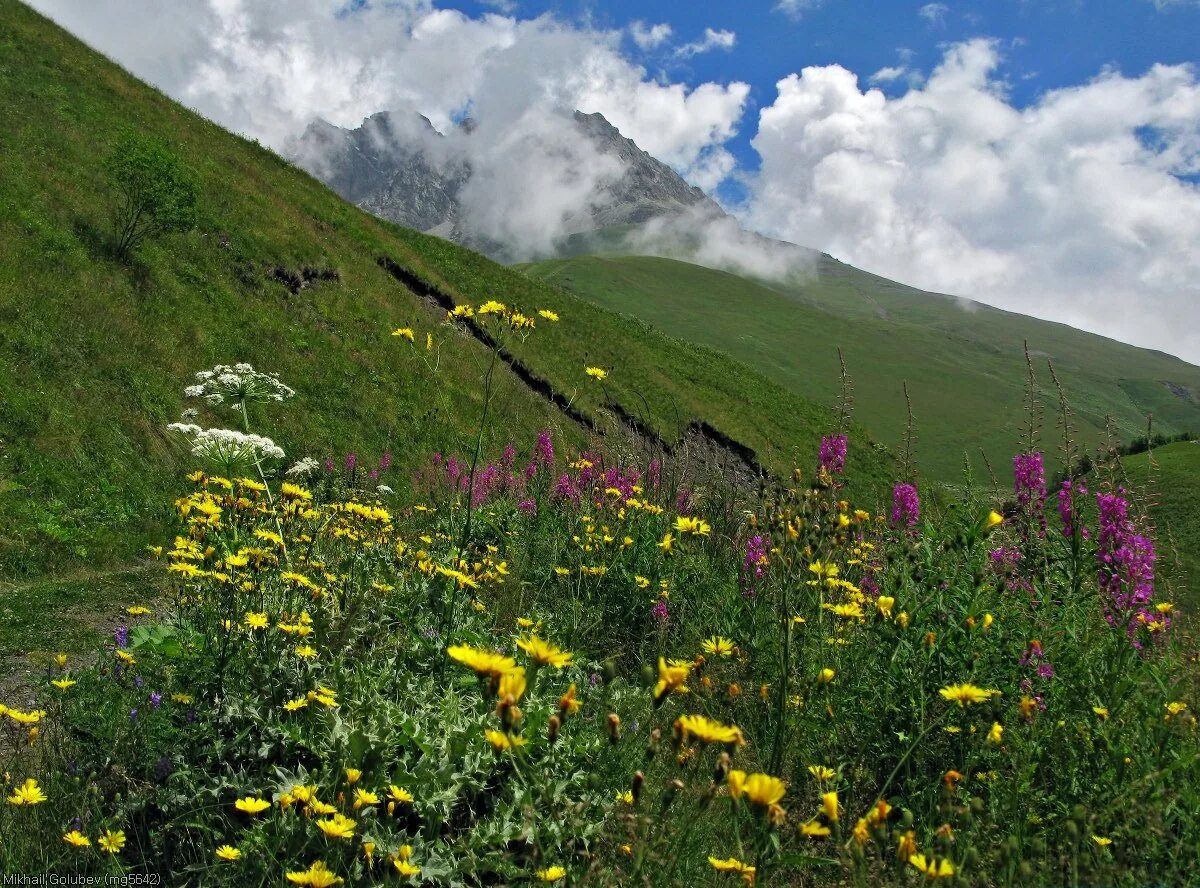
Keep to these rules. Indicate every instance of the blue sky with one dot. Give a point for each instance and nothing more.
(1046, 44)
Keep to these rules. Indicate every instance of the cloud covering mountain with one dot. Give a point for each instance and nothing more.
(1081, 206)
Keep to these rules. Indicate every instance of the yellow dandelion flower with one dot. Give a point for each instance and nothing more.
(826, 675)
(339, 826)
(76, 838)
(829, 804)
(996, 734)
(62, 683)
(544, 653)
(931, 867)
(550, 874)
(1102, 841)
(256, 620)
(596, 373)
(112, 841)
(707, 730)
(671, 678)
(548, 314)
(815, 829)
(963, 694)
(28, 793)
(718, 645)
(501, 741)
(318, 875)
(482, 661)
(823, 773)
(399, 794)
(405, 333)
(363, 798)
(251, 805)
(762, 789)
(228, 852)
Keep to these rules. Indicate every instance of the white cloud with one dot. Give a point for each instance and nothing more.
(796, 8)
(934, 13)
(1072, 209)
(266, 68)
(888, 74)
(713, 39)
(649, 36)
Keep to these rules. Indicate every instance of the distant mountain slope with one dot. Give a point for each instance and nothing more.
(282, 273)
(963, 361)
(400, 168)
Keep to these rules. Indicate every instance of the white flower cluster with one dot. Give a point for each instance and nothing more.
(303, 468)
(237, 384)
(227, 446)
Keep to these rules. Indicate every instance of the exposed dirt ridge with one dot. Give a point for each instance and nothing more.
(708, 442)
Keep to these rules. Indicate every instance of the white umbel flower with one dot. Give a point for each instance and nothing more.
(303, 468)
(236, 385)
(226, 447)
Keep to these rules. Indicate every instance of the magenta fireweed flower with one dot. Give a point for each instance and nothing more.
(755, 562)
(385, 461)
(832, 456)
(1067, 510)
(683, 501)
(528, 506)
(509, 456)
(329, 464)
(659, 612)
(566, 489)
(1125, 566)
(544, 449)
(351, 461)
(906, 506)
(654, 472)
(1029, 484)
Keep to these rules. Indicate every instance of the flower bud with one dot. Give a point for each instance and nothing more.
(614, 727)
(552, 729)
(639, 780)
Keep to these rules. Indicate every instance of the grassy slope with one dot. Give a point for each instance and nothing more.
(965, 369)
(93, 354)
(1173, 485)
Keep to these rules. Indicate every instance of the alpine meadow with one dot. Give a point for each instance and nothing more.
(335, 552)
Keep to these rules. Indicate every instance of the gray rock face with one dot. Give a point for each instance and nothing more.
(391, 168)
(400, 168)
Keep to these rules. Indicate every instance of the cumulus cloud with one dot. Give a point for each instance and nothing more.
(650, 36)
(712, 39)
(1076, 208)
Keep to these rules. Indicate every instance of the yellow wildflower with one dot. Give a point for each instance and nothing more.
(251, 805)
(318, 875)
(339, 826)
(228, 852)
(707, 730)
(76, 838)
(718, 645)
(112, 841)
(550, 874)
(28, 793)
(962, 694)
(482, 661)
(596, 373)
(544, 653)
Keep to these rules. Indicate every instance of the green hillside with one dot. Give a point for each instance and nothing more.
(94, 352)
(964, 362)
(1172, 485)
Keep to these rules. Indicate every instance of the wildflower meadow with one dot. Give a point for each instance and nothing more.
(535, 666)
